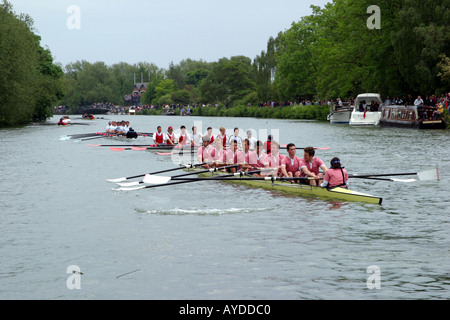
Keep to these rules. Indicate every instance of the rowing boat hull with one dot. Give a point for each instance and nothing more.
(301, 189)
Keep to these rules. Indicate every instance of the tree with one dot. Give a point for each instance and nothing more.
(29, 81)
(228, 81)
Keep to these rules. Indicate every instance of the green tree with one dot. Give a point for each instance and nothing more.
(228, 81)
(29, 81)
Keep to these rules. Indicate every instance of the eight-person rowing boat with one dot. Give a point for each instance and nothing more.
(231, 159)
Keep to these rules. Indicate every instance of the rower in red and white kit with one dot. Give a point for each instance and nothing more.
(209, 134)
(159, 137)
(310, 166)
(256, 159)
(275, 159)
(171, 139)
(206, 153)
(183, 138)
(223, 136)
(290, 165)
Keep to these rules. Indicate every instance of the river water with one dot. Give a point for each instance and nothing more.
(210, 240)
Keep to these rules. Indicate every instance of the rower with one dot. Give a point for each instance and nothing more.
(234, 156)
(267, 144)
(206, 153)
(223, 136)
(256, 159)
(290, 165)
(310, 166)
(196, 138)
(113, 127)
(275, 159)
(159, 137)
(183, 138)
(219, 150)
(170, 136)
(252, 140)
(236, 137)
(336, 176)
(131, 134)
(209, 134)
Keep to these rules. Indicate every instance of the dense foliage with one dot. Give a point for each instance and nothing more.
(30, 83)
(329, 54)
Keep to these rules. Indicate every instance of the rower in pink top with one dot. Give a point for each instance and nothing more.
(310, 166)
(234, 155)
(336, 176)
(275, 159)
(290, 166)
(256, 159)
(206, 153)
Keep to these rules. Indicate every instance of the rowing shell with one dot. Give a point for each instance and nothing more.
(301, 189)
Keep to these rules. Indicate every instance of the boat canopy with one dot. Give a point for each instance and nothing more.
(368, 97)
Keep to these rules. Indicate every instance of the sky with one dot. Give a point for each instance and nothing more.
(159, 32)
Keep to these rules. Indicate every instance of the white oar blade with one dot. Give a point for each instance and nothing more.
(129, 184)
(403, 180)
(432, 174)
(151, 179)
(130, 189)
(117, 180)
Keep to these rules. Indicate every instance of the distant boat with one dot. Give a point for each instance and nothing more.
(367, 116)
(339, 115)
(411, 117)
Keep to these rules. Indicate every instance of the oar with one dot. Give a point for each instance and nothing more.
(389, 179)
(92, 138)
(233, 177)
(284, 146)
(149, 178)
(177, 182)
(144, 148)
(82, 135)
(156, 172)
(178, 152)
(431, 174)
(132, 145)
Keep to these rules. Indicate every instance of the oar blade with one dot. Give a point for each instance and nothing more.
(403, 180)
(138, 148)
(130, 188)
(151, 179)
(129, 184)
(117, 180)
(117, 149)
(429, 175)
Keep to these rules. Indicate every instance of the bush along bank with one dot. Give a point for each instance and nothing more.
(311, 112)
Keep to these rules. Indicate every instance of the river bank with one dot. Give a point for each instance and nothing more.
(295, 112)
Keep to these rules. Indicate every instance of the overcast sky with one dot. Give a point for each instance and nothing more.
(157, 31)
